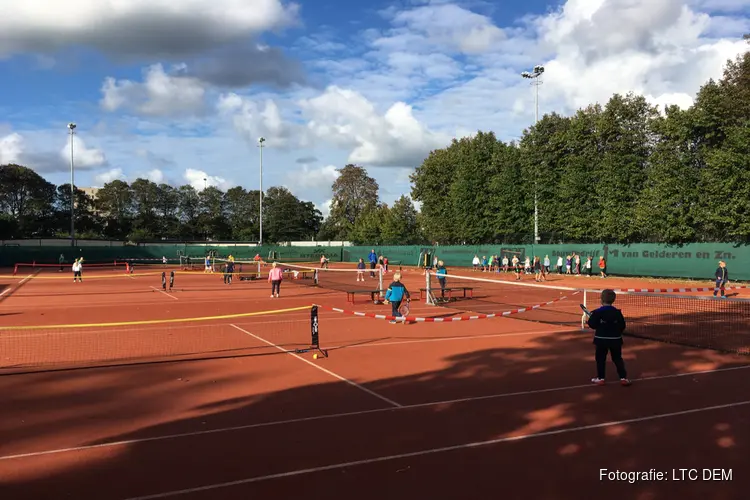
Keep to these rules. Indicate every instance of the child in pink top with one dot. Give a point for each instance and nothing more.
(275, 276)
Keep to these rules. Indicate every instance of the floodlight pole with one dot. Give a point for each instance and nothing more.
(72, 127)
(536, 82)
(260, 195)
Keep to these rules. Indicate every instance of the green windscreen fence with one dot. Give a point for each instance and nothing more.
(698, 260)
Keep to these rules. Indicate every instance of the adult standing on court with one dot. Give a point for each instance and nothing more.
(274, 277)
(373, 259)
(722, 277)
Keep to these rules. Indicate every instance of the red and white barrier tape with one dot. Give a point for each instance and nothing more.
(442, 320)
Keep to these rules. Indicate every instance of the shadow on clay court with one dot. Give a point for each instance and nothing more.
(548, 373)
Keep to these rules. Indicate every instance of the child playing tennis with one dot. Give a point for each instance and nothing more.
(275, 276)
(722, 277)
(361, 270)
(396, 293)
(609, 325)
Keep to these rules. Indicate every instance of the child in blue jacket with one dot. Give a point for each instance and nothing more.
(396, 293)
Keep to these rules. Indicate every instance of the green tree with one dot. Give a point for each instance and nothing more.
(286, 218)
(145, 196)
(624, 136)
(189, 209)
(87, 224)
(28, 199)
(114, 202)
(401, 224)
(242, 209)
(354, 193)
(368, 228)
(212, 224)
(431, 184)
(167, 211)
(666, 210)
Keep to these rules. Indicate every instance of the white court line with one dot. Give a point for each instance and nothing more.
(349, 414)
(443, 339)
(165, 293)
(433, 451)
(18, 285)
(330, 373)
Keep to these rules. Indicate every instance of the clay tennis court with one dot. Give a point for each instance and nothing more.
(220, 408)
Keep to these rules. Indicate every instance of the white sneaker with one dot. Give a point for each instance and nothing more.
(271, 295)
(598, 381)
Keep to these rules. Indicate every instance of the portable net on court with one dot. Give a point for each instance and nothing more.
(25, 268)
(344, 280)
(28, 349)
(491, 296)
(696, 321)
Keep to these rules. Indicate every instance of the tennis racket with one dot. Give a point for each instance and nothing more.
(585, 311)
(404, 309)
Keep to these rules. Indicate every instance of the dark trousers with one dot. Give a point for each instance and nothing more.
(77, 275)
(372, 266)
(601, 360)
(275, 287)
(442, 286)
(228, 278)
(720, 285)
(394, 309)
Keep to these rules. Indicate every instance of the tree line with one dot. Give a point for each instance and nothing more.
(30, 206)
(622, 172)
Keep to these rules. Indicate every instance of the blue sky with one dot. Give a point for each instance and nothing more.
(179, 95)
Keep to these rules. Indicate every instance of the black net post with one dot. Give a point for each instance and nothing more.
(315, 342)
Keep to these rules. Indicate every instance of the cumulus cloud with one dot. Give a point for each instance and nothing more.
(343, 119)
(200, 179)
(109, 176)
(347, 119)
(312, 179)
(83, 157)
(447, 26)
(14, 148)
(260, 119)
(11, 147)
(160, 94)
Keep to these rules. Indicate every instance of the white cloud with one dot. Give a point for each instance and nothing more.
(109, 176)
(83, 157)
(160, 94)
(312, 184)
(325, 207)
(15, 148)
(254, 120)
(347, 119)
(11, 147)
(136, 27)
(200, 179)
(156, 176)
(449, 27)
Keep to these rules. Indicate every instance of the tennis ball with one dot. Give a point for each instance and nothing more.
(315, 356)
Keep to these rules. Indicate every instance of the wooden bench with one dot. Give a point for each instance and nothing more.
(448, 291)
(374, 295)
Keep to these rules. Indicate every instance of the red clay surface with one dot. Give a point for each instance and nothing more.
(477, 409)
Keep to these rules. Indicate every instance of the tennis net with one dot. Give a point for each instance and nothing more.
(43, 268)
(551, 304)
(335, 279)
(705, 322)
(39, 348)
